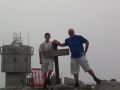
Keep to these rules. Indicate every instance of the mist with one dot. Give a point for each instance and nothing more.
(96, 20)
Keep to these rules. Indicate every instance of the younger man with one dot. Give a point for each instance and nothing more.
(47, 63)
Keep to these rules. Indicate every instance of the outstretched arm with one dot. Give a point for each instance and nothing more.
(58, 43)
(62, 44)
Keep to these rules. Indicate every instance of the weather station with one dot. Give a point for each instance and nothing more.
(16, 61)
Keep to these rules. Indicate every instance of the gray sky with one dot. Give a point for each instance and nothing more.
(97, 20)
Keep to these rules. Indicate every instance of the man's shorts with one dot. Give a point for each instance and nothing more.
(77, 62)
(47, 66)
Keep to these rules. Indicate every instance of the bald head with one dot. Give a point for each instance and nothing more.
(71, 32)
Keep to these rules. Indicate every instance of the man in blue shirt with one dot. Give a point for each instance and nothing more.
(78, 55)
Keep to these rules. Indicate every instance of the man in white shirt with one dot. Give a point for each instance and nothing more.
(47, 63)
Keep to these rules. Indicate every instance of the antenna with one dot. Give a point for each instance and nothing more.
(20, 37)
(3, 43)
(28, 39)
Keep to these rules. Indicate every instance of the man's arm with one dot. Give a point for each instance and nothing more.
(86, 46)
(62, 44)
(40, 53)
(58, 43)
(40, 57)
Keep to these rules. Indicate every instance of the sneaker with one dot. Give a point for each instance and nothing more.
(77, 84)
(48, 81)
(45, 86)
(98, 81)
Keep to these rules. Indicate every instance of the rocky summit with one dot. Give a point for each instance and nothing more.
(104, 85)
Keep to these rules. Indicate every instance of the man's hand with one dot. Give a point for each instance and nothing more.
(56, 42)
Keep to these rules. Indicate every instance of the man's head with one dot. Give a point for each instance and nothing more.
(47, 37)
(71, 32)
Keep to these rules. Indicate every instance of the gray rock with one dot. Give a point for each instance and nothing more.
(105, 85)
(63, 87)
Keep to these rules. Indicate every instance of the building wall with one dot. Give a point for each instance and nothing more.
(15, 79)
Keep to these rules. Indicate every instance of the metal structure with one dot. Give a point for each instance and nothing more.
(16, 61)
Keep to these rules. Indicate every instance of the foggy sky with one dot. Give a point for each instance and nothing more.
(96, 20)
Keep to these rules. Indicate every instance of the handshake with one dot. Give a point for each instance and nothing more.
(55, 42)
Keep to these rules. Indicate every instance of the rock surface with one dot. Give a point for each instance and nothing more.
(104, 85)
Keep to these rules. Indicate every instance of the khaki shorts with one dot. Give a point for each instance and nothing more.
(77, 62)
(47, 67)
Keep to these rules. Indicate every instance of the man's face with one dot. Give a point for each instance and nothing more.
(71, 32)
(47, 37)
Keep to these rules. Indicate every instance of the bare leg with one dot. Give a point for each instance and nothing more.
(49, 74)
(48, 78)
(45, 77)
(94, 76)
(76, 77)
(76, 80)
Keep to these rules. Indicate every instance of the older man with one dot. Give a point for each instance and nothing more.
(78, 55)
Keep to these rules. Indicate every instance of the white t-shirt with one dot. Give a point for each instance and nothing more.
(45, 47)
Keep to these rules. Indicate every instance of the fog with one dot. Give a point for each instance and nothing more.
(96, 20)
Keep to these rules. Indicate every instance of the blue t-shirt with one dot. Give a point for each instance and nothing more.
(75, 44)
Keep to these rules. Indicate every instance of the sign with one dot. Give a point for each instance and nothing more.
(59, 52)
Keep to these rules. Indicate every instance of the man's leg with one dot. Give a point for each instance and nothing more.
(45, 77)
(94, 76)
(85, 65)
(27, 82)
(49, 73)
(44, 70)
(50, 68)
(76, 77)
(48, 78)
(75, 68)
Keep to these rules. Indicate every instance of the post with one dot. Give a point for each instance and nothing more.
(56, 66)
